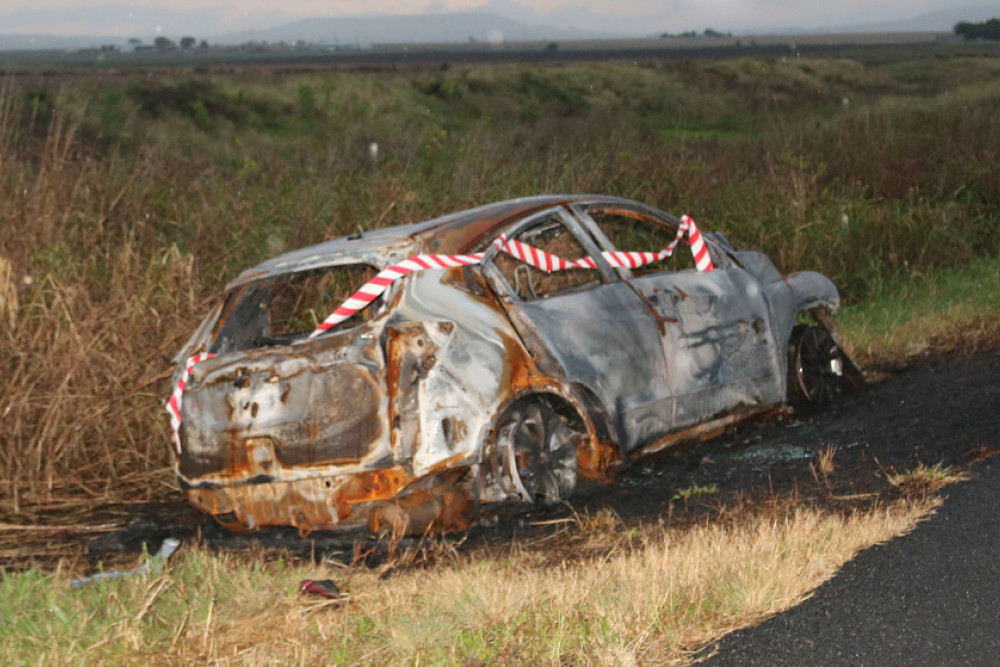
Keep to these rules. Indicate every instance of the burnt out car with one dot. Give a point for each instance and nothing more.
(494, 355)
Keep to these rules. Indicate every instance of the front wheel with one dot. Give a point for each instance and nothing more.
(818, 368)
(534, 452)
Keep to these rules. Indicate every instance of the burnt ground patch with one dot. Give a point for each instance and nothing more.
(941, 408)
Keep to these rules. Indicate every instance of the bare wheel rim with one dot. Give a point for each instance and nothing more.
(536, 452)
(818, 364)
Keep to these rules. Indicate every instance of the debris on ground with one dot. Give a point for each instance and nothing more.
(151, 566)
(323, 587)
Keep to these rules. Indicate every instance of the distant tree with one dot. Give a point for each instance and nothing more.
(203, 45)
(134, 40)
(992, 29)
(713, 33)
(985, 30)
(164, 43)
(188, 42)
(552, 46)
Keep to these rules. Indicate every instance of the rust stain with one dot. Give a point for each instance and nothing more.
(475, 230)
(594, 458)
(311, 504)
(311, 430)
(708, 430)
(696, 433)
(520, 371)
(369, 486)
(444, 508)
(393, 355)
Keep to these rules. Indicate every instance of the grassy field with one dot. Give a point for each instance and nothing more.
(132, 198)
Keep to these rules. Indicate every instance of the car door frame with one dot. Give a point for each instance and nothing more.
(717, 362)
(630, 383)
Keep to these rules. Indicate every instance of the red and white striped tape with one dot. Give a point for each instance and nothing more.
(530, 255)
(174, 404)
(374, 288)
(521, 251)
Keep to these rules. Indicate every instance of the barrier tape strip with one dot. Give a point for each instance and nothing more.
(374, 288)
(174, 404)
(530, 255)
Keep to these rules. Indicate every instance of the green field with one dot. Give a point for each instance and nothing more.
(133, 195)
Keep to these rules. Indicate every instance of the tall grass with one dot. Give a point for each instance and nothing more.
(130, 200)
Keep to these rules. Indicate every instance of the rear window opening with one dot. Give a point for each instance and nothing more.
(283, 309)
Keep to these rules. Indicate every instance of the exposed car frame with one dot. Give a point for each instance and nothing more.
(491, 382)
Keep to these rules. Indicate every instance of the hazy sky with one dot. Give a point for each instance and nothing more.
(207, 17)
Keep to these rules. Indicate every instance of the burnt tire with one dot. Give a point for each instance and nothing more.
(534, 453)
(818, 368)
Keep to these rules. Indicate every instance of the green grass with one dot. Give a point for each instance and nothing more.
(910, 312)
(695, 490)
(927, 479)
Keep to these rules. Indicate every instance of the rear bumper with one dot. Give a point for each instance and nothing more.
(376, 500)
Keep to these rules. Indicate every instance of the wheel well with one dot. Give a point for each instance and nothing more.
(822, 316)
(558, 404)
(585, 415)
(595, 411)
(582, 413)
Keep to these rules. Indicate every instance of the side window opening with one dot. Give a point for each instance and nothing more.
(630, 231)
(286, 308)
(530, 283)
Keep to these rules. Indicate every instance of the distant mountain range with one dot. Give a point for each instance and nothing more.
(417, 28)
(505, 21)
(941, 21)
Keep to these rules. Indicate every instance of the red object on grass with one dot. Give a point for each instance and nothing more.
(324, 587)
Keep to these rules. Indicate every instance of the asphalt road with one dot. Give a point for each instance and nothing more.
(930, 598)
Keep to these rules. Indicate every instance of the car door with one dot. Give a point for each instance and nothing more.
(714, 325)
(585, 326)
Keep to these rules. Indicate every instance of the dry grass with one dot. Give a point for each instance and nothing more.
(650, 596)
(824, 465)
(8, 296)
(85, 404)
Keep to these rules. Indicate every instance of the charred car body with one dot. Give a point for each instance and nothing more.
(457, 388)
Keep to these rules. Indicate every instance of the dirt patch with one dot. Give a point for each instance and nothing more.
(937, 407)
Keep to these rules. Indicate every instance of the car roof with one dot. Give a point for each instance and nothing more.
(456, 233)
